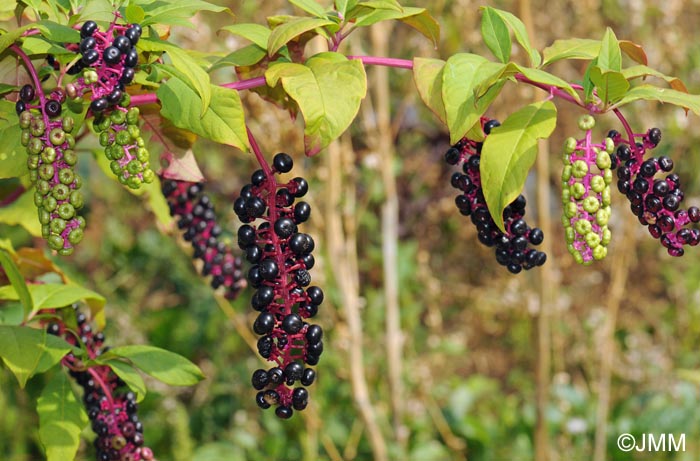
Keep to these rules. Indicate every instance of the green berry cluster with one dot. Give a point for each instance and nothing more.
(586, 180)
(51, 161)
(124, 147)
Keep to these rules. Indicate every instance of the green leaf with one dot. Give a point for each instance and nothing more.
(58, 32)
(5, 88)
(22, 212)
(223, 122)
(129, 375)
(653, 93)
(509, 152)
(135, 14)
(644, 71)
(311, 7)
(611, 86)
(287, 31)
(588, 85)
(17, 282)
(315, 87)
(544, 77)
(55, 295)
(8, 38)
(256, 33)
(574, 48)
(246, 56)
(382, 4)
(13, 156)
(27, 351)
(496, 35)
(418, 18)
(427, 74)
(609, 56)
(61, 419)
(193, 74)
(165, 366)
(176, 12)
(96, 10)
(459, 82)
(518, 28)
(343, 6)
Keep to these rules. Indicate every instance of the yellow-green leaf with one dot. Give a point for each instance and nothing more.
(574, 48)
(427, 74)
(61, 419)
(291, 29)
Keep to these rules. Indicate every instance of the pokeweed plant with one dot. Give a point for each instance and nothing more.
(94, 68)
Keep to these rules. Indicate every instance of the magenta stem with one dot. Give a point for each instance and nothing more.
(98, 379)
(388, 62)
(12, 196)
(627, 126)
(552, 90)
(35, 79)
(259, 155)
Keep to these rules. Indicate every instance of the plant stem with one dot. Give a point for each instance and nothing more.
(259, 155)
(35, 78)
(13, 196)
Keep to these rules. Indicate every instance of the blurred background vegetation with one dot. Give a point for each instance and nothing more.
(457, 377)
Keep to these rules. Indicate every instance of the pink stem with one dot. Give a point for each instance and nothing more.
(108, 392)
(12, 196)
(627, 126)
(35, 79)
(553, 90)
(259, 155)
(389, 62)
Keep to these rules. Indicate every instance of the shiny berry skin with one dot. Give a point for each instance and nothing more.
(90, 57)
(52, 108)
(284, 227)
(133, 33)
(111, 55)
(88, 43)
(20, 107)
(264, 323)
(131, 58)
(27, 93)
(88, 28)
(122, 43)
(302, 212)
(654, 135)
(491, 124)
(115, 97)
(99, 105)
(127, 76)
(452, 156)
(302, 187)
(283, 163)
(292, 323)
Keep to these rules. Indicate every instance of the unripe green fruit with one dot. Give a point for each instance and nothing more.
(65, 251)
(570, 235)
(38, 199)
(66, 176)
(44, 216)
(70, 140)
(148, 176)
(605, 197)
(132, 116)
(105, 139)
(37, 127)
(25, 120)
(565, 194)
(76, 199)
(117, 117)
(115, 167)
(142, 155)
(43, 187)
(70, 157)
(608, 176)
(45, 231)
(579, 169)
(25, 137)
(569, 145)
(134, 167)
(566, 173)
(586, 122)
(600, 252)
(46, 172)
(33, 162)
(134, 182)
(102, 125)
(602, 217)
(591, 204)
(582, 227)
(57, 136)
(50, 203)
(57, 225)
(81, 221)
(35, 146)
(597, 184)
(75, 236)
(123, 138)
(60, 192)
(570, 210)
(578, 190)
(603, 161)
(48, 155)
(66, 211)
(117, 152)
(609, 145)
(592, 239)
(33, 175)
(67, 123)
(607, 236)
(126, 100)
(56, 242)
(134, 131)
(140, 142)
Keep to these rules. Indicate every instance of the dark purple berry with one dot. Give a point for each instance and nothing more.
(27, 93)
(122, 43)
(90, 57)
(654, 136)
(20, 107)
(111, 55)
(99, 105)
(88, 28)
(292, 323)
(491, 124)
(131, 58)
(282, 162)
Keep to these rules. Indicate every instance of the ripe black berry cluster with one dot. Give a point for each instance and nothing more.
(655, 201)
(51, 161)
(512, 247)
(111, 407)
(281, 258)
(586, 180)
(195, 217)
(107, 64)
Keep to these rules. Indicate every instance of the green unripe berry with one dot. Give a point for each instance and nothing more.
(117, 152)
(67, 123)
(33, 162)
(115, 167)
(50, 204)
(599, 252)
(578, 257)
(102, 124)
(133, 131)
(38, 199)
(117, 117)
(46, 172)
(609, 145)
(586, 122)
(66, 210)
(134, 167)
(570, 235)
(603, 160)
(608, 177)
(33, 175)
(566, 173)
(70, 157)
(66, 176)
(607, 236)
(37, 127)
(126, 100)
(570, 210)
(602, 216)
(43, 187)
(582, 227)
(90, 76)
(75, 236)
(105, 139)
(81, 222)
(56, 242)
(565, 195)
(57, 225)
(123, 138)
(578, 190)
(66, 251)
(44, 216)
(76, 199)
(605, 197)
(142, 154)
(60, 192)
(123, 178)
(579, 169)
(592, 240)
(597, 184)
(48, 155)
(148, 176)
(570, 145)
(132, 116)
(140, 142)
(25, 120)
(35, 146)
(25, 137)
(591, 204)
(57, 136)
(45, 231)
(134, 182)
(70, 140)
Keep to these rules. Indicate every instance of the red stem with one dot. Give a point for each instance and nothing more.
(627, 126)
(259, 155)
(35, 79)
(12, 196)
(105, 389)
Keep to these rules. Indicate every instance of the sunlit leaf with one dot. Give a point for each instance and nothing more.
(666, 95)
(163, 365)
(27, 351)
(427, 74)
(495, 34)
(574, 48)
(283, 33)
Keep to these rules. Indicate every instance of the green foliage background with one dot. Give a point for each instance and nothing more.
(469, 354)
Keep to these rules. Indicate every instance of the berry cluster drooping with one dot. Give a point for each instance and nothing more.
(281, 258)
(586, 180)
(656, 202)
(512, 247)
(111, 407)
(195, 217)
(107, 63)
(51, 161)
